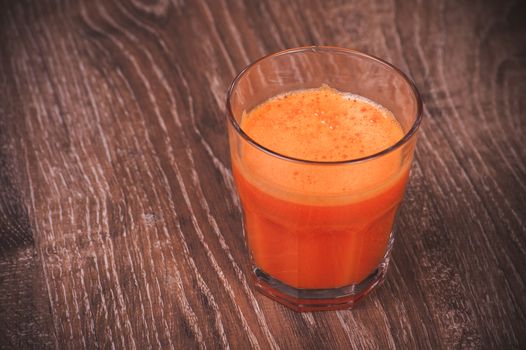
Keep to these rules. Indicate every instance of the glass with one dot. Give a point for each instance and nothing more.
(315, 250)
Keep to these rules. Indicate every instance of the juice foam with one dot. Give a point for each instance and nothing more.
(322, 125)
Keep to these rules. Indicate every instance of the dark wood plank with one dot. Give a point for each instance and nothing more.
(119, 222)
(25, 317)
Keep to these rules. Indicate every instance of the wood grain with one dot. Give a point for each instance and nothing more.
(119, 223)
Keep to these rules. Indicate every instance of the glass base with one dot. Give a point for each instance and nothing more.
(306, 300)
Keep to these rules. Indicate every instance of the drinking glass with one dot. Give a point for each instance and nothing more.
(320, 247)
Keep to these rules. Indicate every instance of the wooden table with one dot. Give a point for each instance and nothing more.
(119, 223)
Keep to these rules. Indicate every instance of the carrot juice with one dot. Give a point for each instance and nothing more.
(321, 143)
(309, 225)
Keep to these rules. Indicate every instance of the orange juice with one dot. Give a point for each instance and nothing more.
(312, 225)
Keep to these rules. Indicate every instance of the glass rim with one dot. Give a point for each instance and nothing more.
(316, 48)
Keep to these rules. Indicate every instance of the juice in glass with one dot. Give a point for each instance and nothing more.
(320, 173)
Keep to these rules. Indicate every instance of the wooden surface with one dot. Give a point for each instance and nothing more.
(119, 224)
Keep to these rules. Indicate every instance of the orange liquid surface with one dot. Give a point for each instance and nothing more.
(319, 226)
